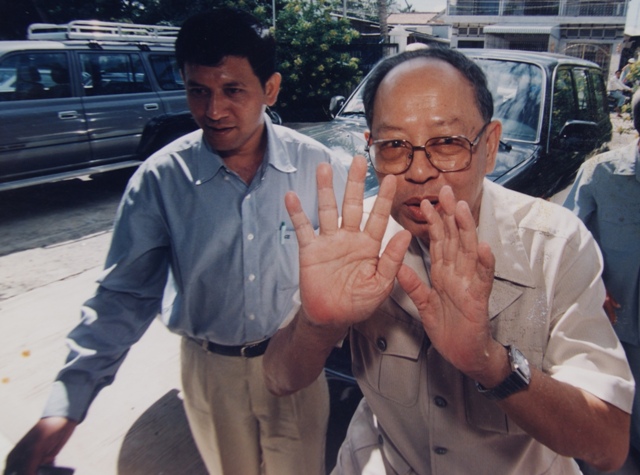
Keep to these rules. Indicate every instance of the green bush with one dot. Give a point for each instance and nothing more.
(313, 59)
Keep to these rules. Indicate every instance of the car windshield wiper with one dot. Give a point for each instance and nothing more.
(505, 146)
(352, 114)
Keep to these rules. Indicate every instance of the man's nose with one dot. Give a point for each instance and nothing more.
(217, 107)
(420, 169)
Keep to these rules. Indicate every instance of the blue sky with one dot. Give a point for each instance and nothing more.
(425, 5)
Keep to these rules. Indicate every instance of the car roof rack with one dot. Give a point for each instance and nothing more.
(103, 30)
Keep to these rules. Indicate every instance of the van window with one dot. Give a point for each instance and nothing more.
(113, 73)
(165, 68)
(32, 75)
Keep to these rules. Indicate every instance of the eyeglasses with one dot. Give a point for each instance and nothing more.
(446, 154)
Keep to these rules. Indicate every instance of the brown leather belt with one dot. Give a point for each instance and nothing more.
(250, 350)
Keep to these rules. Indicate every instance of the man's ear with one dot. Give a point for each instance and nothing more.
(272, 88)
(493, 132)
(367, 135)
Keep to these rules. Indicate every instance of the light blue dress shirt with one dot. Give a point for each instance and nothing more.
(215, 257)
(606, 197)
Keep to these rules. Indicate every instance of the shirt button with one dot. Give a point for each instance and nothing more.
(252, 317)
(248, 197)
(440, 401)
(440, 450)
(252, 277)
(381, 343)
(250, 236)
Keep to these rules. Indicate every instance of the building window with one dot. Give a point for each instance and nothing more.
(595, 8)
(531, 8)
(475, 7)
(598, 53)
(593, 33)
(470, 44)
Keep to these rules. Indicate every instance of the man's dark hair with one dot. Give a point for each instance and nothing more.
(207, 38)
(470, 70)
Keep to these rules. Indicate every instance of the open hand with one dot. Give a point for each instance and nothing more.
(455, 311)
(343, 277)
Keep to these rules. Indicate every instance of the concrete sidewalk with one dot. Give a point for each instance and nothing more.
(135, 426)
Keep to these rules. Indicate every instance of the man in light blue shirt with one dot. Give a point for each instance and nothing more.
(203, 238)
(606, 197)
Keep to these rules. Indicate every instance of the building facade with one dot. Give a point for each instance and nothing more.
(588, 29)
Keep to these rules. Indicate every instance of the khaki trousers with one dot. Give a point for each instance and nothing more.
(240, 428)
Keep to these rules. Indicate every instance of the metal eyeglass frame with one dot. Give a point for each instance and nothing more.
(424, 149)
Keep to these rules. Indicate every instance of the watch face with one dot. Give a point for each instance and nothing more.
(520, 363)
(517, 381)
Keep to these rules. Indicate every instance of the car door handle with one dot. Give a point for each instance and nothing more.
(68, 115)
(151, 107)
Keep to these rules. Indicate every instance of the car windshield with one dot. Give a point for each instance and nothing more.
(354, 106)
(517, 96)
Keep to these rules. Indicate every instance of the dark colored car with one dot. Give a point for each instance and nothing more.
(554, 115)
(553, 110)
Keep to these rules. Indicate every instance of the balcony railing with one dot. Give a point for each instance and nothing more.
(604, 8)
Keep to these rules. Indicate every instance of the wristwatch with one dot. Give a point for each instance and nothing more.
(518, 380)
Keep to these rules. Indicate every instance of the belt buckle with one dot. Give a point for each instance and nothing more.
(244, 349)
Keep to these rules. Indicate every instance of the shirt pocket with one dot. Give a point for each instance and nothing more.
(620, 229)
(288, 262)
(386, 356)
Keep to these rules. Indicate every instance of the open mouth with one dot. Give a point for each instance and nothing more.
(415, 202)
(413, 205)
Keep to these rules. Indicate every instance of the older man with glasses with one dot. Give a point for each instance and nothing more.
(474, 313)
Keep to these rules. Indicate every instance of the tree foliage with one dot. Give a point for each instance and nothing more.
(314, 59)
(313, 53)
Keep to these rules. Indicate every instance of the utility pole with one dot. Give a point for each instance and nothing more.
(382, 18)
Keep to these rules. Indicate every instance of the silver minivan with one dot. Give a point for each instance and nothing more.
(76, 98)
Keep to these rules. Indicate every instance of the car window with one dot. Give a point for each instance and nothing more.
(599, 91)
(564, 101)
(585, 112)
(113, 73)
(33, 75)
(165, 68)
(517, 97)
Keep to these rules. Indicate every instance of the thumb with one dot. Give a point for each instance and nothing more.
(417, 290)
(391, 259)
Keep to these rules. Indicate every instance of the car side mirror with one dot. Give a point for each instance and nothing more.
(578, 135)
(274, 116)
(335, 105)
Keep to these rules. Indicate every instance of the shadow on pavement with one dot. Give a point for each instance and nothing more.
(160, 442)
